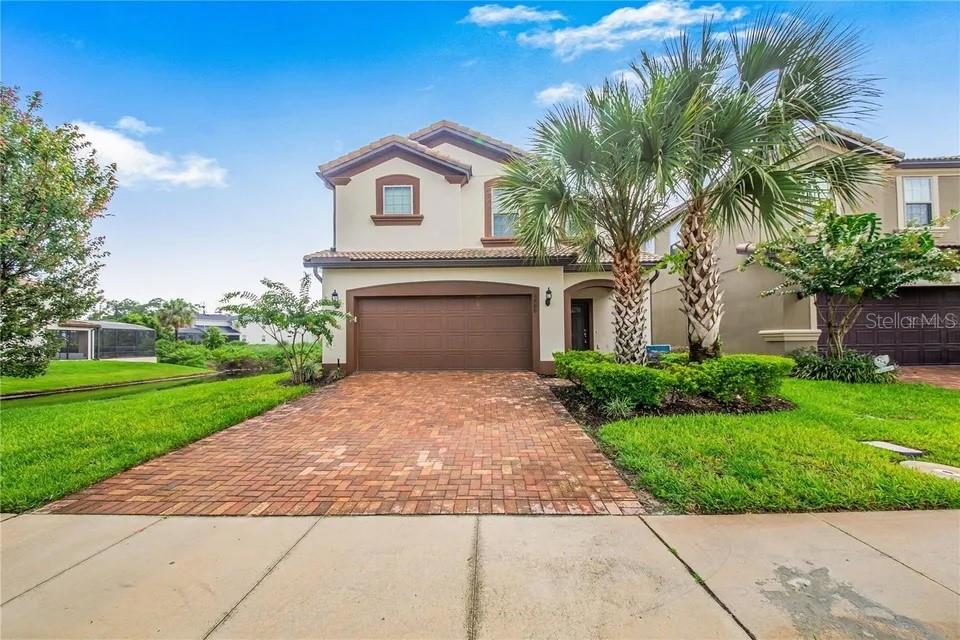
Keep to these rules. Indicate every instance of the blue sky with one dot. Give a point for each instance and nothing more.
(219, 113)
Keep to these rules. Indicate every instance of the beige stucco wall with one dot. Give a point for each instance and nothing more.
(439, 206)
(471, 194)
(551, 318)
(453, 215)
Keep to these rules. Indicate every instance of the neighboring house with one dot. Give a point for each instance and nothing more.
(106, 340)
(228, 326)
(424, 258)
(203, 321)
(919, 326)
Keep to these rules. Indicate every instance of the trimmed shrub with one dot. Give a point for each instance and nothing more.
(612, 382)
(185, 353)
(850, 367)
(737, 377)
(565, 359)
(734, 378)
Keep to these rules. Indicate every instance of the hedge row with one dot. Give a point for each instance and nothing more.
(740, 377)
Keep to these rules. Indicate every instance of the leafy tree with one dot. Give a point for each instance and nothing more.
(598, 180)
(848, 259)
(117, 309)
(177, 314)
(146, 320)
(51, 191)
(297, 323)
(760, 96)
(213, 338)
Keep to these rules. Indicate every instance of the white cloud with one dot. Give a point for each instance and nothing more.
(655, 20)
(625, 75)
(137, 165)
(490, 14)
(563, 92)
(135, 126)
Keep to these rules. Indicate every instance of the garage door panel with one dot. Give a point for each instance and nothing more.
(921, 325)
(455, 332)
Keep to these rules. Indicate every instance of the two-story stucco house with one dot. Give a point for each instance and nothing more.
(425, 261)
(921, 325)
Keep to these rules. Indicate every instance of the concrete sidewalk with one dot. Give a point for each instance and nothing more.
(883, 575)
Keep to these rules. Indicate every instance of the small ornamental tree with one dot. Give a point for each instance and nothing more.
(52, 190)
(848, 259)
(297, 323)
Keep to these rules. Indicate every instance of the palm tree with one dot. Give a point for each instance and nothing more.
(598, 181)
(762, 95)
(176, 314)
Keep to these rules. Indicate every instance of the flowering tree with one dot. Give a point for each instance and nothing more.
(295, 322)
(848, 259)
(51, 191)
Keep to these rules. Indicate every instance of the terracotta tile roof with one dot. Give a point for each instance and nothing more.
(864, 140)
(932, 162)
(435, 254)
(468, 132)
(486, 253)
(415, 146)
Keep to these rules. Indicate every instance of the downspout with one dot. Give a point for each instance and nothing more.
(656, 274)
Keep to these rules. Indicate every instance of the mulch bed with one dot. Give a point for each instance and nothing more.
(590, 414)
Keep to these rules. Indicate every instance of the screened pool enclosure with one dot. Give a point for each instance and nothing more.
(105, 340)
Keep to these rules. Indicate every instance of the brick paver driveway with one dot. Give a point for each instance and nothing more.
(946, 376)
(379, 443)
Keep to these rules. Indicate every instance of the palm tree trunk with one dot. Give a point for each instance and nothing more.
(630, 289)
(700, 294)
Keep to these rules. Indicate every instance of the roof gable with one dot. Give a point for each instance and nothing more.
(340, 170)
(447, 131)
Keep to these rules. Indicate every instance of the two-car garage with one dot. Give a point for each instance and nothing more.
(444, 332)
(448, 325)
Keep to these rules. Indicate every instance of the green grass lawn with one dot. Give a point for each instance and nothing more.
(808, 459)
(66, 374)
(51, 450)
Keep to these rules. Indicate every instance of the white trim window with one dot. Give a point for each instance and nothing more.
(398, 200)
(917, 200)
(502, 222)
(650, 245)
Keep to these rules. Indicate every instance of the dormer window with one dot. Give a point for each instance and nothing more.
(398, 200)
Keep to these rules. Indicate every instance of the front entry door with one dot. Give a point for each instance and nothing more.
(581, 329)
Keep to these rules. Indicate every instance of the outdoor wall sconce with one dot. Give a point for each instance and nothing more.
(335, 296)
(548, 297)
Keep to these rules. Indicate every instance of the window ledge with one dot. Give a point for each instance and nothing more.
(498, 242)
(937, 231)
(396, 220)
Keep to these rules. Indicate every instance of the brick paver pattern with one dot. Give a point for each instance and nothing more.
(947, 376)
(383, 443)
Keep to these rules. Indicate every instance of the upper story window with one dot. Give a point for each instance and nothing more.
(398, 200)
(650, 245)
(917, 200)
(503, 219)
(499, 220)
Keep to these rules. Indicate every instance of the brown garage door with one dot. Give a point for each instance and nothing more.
(919, 326)
(449, 332)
